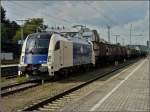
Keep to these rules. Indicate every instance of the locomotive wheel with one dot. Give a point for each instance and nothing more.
(87, 68)
(65, 74)
(56, 77)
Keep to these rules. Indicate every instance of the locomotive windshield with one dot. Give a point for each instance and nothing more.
(71, 34)
(38, 44)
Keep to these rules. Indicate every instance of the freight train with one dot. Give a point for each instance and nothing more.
(57, 53)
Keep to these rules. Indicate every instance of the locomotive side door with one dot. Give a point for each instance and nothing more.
(67, 57)
(57, 56)
(61, 53)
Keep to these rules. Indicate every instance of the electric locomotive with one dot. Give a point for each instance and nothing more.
(44, 54)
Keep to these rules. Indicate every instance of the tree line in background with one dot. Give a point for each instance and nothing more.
(11, 30)
(30, 26)
(8, 28)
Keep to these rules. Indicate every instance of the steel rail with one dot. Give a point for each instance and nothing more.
(11, 89)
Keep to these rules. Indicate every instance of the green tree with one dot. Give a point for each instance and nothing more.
(3, 13)
(3, 28)
(8, 28)
(29, 27)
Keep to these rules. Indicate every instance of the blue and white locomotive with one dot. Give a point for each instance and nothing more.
(51, 52)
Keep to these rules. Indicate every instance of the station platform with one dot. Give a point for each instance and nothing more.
(127, 90)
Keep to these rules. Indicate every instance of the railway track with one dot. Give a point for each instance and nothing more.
(11, 89)
(11, 77)
(49, 104)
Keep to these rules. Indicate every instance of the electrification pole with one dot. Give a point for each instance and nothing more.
(108, 27)
(123, 43)
(116, 37)
(22, 22)
(130, 33)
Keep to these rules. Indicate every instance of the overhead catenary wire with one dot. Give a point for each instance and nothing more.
(101, 13)
(55, 17)
(60, 10)
(52, 17)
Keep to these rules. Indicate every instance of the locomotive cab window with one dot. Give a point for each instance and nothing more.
(57, 46)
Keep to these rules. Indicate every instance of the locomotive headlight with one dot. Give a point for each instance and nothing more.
(22, 58)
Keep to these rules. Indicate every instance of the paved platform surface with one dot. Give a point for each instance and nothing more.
(125, 91)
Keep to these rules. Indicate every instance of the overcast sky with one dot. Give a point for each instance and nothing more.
(94, 14)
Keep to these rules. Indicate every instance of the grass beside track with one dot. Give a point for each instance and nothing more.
(11, 81)
(21, 79)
